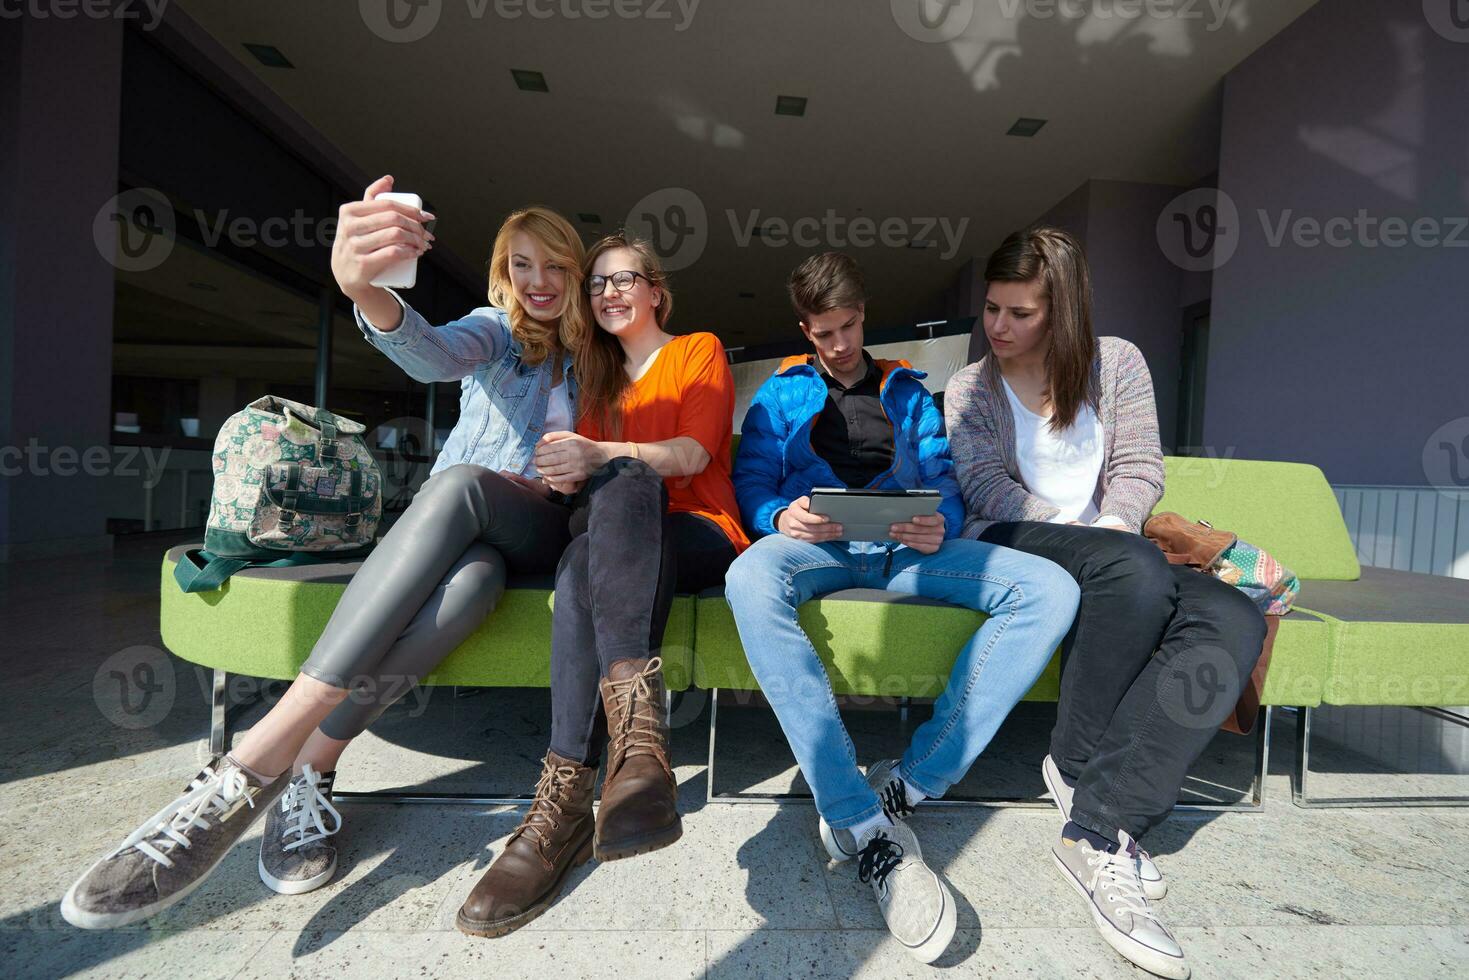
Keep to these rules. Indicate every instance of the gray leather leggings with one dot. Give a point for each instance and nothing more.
(428, 584)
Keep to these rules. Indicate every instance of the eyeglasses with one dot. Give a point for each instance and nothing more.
(596, 285)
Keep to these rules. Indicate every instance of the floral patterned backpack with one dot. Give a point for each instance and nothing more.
(292, 484)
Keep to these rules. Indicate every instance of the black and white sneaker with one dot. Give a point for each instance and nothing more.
(296, 853)
(916, 903)
(886, 782)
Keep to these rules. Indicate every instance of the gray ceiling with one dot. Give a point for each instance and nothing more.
(896, 129)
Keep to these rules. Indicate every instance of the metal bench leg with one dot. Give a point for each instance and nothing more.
(219, 735)
(1300, 791)
(1256, 804)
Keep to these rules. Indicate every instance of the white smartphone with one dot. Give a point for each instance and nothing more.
(400, 275)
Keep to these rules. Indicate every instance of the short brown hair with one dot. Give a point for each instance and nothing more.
(825, 282)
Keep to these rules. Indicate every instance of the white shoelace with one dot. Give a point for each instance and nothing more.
(303, 803)
(1116, 872)
(215, 795)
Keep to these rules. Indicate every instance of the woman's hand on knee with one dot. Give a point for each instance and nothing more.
(565, 457)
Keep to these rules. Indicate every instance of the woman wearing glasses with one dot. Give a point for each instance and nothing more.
(655, 514)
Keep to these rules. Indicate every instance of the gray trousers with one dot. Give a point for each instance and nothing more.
(428, 585)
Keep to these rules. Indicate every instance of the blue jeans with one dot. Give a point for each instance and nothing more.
(1030, 602)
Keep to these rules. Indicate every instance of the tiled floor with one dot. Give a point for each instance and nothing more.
(1283, 893)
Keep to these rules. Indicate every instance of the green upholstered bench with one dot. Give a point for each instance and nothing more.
(1376, 638)
(264, 623)
(1326, 651)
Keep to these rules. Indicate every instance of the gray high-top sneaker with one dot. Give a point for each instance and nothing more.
(915, 902)
(1062, 790)
(173, 851)
(1108, 881)
(886, 782)
(296, 855)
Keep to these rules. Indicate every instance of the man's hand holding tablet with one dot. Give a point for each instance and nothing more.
(797, 521)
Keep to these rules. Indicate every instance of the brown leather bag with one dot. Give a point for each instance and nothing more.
(1199, 545)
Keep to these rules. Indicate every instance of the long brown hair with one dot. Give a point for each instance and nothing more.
(1057, 261)
(561, 242)
(600, 376)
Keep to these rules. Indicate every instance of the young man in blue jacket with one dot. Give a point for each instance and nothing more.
(840, 418)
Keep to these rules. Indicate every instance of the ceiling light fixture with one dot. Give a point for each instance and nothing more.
(269, 55)
(790, 105)
(529, 81)
(1025, 126)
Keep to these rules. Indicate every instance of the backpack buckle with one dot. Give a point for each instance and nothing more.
(326, 449)
(354, 519)
(288, 517)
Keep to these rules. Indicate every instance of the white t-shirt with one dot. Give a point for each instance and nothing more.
(1060, 468)
(558, 419)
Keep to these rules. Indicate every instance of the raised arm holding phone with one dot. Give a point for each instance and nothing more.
(428, 584)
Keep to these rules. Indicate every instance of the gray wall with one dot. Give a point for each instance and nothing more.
(60, 168)
(1348, 358)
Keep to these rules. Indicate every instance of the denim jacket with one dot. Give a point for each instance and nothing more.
(502, 400)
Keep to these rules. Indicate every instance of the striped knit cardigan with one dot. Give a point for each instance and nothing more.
(982, 440)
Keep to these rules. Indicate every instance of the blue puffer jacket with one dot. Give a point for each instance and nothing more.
(776, 464)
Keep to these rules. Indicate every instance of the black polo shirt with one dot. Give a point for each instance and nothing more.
(853, 433)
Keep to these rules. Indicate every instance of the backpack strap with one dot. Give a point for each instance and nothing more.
(199, 571)
(202, 571)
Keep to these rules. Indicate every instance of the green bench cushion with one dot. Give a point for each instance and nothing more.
(1397, 638)
(264, 623)
(1288, 509)
(882, 643)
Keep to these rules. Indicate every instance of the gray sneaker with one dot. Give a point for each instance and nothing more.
(1108, 881)
(1061, 792)
(296, 855)
(172, 852)
(886, 782)
(915, 902)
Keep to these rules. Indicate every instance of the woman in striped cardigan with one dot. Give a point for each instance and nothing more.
(1054, 436)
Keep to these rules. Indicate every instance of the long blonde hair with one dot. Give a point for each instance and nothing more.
(560, 240)
(599, 372)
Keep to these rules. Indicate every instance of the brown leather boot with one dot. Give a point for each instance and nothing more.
(639, 808)
(554, 837)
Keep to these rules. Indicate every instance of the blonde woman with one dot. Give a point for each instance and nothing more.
(428, 584)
